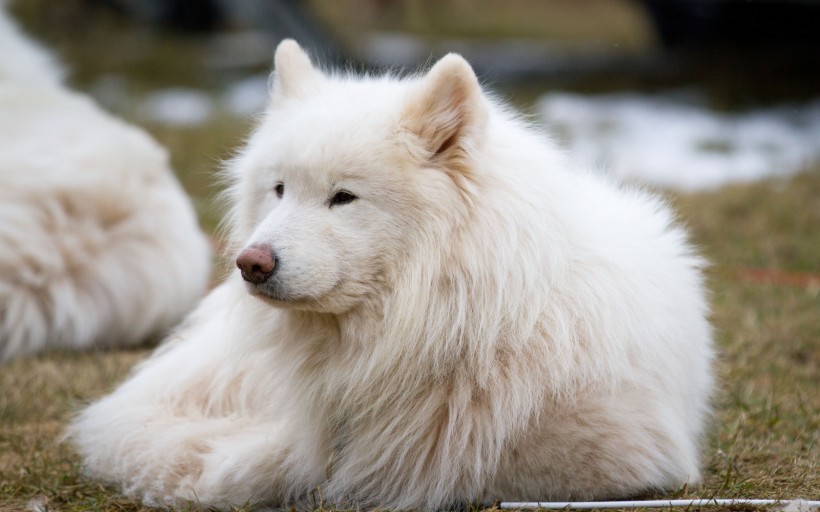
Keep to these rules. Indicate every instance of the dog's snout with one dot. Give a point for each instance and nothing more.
(257, 263)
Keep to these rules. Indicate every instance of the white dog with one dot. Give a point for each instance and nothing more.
(434, 309)
(98, 243)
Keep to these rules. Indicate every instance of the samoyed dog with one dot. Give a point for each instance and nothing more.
(431, 307)
(99, 245)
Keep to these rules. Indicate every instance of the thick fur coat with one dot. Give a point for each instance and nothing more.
(99, 244)
(436, 309)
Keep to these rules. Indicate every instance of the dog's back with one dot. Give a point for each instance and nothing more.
(100, 245)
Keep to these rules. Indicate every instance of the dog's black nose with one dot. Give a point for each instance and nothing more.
(257, 263)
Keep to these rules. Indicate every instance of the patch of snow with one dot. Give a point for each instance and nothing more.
(673, 143)
(177, 106)
(37, 504)
(247, 97)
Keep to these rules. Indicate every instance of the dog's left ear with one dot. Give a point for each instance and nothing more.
(294, 75)
(446, 110)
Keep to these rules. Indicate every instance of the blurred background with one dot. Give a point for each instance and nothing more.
(686, 94)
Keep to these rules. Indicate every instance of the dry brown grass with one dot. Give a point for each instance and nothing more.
(766, 439)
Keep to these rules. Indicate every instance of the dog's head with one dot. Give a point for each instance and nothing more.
(349, 181)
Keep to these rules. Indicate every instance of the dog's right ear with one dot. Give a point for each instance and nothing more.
(293, 75)
(446, 113)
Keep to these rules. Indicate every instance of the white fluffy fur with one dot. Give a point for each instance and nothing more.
(98, 243)
(482, 323)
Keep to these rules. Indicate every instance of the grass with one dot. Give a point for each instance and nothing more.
(765, 437)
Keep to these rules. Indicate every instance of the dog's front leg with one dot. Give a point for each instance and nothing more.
(267, 463)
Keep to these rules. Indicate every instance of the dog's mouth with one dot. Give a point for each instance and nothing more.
(268, 293)
(276, 296)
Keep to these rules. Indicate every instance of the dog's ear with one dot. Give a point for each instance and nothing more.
(446, 111)
(293, 75)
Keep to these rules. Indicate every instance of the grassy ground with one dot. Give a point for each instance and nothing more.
(763, 240)
(767, 422)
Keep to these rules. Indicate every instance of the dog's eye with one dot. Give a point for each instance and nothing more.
(342, 197)
(279, 189)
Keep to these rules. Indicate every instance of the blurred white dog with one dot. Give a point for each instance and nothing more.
(432, 306)
(99, 245)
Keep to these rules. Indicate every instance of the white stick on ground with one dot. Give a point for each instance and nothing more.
(586, 505)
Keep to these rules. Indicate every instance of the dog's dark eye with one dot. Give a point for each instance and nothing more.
(342, 197)
(279, 189)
